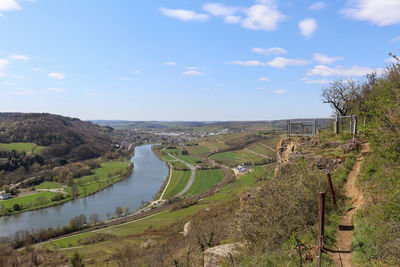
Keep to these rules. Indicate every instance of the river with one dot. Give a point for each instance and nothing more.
(147, 177)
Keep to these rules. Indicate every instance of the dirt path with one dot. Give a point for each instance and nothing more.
(343, 255)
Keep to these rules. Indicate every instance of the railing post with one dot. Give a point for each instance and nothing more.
(287, 128)
(337, 125)
(328, 176)
(321, 222)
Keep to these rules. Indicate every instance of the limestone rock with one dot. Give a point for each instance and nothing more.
(214, 256)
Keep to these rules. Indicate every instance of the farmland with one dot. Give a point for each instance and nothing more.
(204, 180)
(179, 180)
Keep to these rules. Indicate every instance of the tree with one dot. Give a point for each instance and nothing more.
(77, 260)
(108, 215)
(78, 222)
(119, 211)
(94, 218)
(16, 207)
(341, 95)
(126, 211)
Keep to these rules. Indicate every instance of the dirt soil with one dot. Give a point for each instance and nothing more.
(343, 254)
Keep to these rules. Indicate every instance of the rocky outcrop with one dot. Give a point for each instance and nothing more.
(214, 256)
(290, 150)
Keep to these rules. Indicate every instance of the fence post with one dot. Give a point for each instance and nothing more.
(355, 124)
(351, 123)
(337, 125)
(287, 128)
(321, 222)
(315, 126)
(328, 176)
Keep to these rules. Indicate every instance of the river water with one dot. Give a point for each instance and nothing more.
(146, 179)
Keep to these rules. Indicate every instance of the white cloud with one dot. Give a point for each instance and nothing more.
(263, 17)
(323, 59)
(269, 51)
(3, 63)
(171, 64)
(232, 19)
(322, 81)
(249, 63)
(260, 88)
(192, 73)
(21, 91)
(323, 70)
(264, 79)
(192, 68)
(281, 62)
(380, 12)
(136, 72)
(216, 9)
(280, 91)
(92, 95)
(38, 69)
(395, 39)
(307, 27)
(317, 6)
(185, 15)
(19, 57)
(57, 75)
(9, 5)
(59, 90)
(391, 60)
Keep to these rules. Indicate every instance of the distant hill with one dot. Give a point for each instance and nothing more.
(62, 137)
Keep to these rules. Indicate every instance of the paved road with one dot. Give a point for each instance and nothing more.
(192, 168)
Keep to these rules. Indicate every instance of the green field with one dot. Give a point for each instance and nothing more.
(102, 177)
(179, 180)
(204, 180)
(242, 183)
(161, 219)
(234, 158)
(21, 147)
(261, 149)
(186, 158)
(28, 202)
(68, 242)
(48, 185)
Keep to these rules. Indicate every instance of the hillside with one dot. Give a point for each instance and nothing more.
(62, 137)
(30, 143)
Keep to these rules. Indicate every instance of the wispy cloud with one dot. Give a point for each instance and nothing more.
(192, 73)
(395, 39)
(391, 60)
(269, 51)
(22, 91)
(170, 63)
(281, 62)
(264, 79)
(317, 6)
(323, 59)
(248, 63)
(137, 72)
(381, 13)
(192, 68)
(356, 70)
(19, 57)
(321, 81)
(185, 15)
(262, 16)
(57, 75)
(59, 90)
(280, 91)
(3, 63)
(308, 27)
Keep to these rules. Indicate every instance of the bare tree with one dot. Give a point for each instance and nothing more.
(94, 218)
(119, 211)
(341, 95)
(126, 211)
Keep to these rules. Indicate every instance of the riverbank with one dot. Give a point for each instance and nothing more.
(109, 173)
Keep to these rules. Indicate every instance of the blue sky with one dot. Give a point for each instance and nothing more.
(188, 60)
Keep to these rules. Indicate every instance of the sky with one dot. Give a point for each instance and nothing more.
(188, 60)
